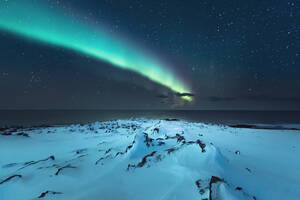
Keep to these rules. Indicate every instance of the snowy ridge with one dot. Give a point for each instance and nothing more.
(148, 159)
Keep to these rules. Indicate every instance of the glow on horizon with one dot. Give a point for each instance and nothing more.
(45, 24)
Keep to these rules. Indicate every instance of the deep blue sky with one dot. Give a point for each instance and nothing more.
(233, 54)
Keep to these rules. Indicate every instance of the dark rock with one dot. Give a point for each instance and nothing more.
(238, 188)
(213, 180)
(198, 183)
(35, 162)
(3, 128)
(64, 167)
(242, 126)
(6, 133)
(180, 138)
(11, 177)
(202, 145)
(130, 166)
(171, 150)
(171, 119)
(48, 192)
(144, 160)
(107, 151)
(262, 127)
(128, 148)
(23, 134)
(102, 158)
(80, 151)
(148, 140)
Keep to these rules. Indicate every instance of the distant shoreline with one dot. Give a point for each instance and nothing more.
(30, 118)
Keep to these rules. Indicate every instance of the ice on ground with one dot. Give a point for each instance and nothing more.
(149, 159)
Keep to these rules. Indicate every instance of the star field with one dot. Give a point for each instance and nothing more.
(230, 55)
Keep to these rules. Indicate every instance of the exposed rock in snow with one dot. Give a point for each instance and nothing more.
(149, 159)
(48, 192)
(11, 177)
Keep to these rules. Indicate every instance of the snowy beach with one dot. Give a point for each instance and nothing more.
(149, 159)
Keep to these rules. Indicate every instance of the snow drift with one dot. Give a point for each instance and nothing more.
(149, 159)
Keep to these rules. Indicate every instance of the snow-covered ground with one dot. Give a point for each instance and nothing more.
(149, 159)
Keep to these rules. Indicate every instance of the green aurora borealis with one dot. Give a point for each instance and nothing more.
(52, 26)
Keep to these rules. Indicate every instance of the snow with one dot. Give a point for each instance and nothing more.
(149, 159)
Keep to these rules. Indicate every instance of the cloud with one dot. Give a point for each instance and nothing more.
(162, 96)
(254, 98)
(185, 94)
(217, 99)
(270, 98)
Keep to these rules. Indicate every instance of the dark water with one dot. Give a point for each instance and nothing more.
(61, 117)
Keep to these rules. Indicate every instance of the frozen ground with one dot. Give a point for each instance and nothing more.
(143, 159)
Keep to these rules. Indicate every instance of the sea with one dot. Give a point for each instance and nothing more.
(29, 118)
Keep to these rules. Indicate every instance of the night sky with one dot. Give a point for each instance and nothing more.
(140, 54)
